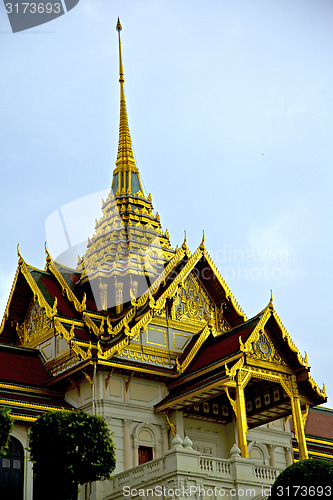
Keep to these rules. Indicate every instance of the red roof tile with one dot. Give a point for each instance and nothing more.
(23, 366)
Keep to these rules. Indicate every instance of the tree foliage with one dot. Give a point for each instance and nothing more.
(69, 448)
(306, 478)
(6, 424)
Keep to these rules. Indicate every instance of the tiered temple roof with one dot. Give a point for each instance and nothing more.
(137, 306)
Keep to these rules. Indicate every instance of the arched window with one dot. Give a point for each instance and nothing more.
(12, 471)
(146, 442)
(258, 452)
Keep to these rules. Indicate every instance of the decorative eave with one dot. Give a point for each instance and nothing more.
(52, 268)
(302, 361)
(51, 312)
(181, 367)
(219, 372)
(229, 295)
(6, 313)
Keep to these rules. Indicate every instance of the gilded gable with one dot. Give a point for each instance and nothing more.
(193, 303)
(37, 327)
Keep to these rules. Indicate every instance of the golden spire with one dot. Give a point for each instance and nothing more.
(125, 157)
(128, 232)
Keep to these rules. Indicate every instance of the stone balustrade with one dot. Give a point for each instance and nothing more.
(186, 468)
(215, 466)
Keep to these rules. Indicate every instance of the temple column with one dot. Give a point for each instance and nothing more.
(288, 455)
(177, 419)
(127, 444)
(298, 422)
(271, 451)
(241, 418)
(165, 439)
(135, 455)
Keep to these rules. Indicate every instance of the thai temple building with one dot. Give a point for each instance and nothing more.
(198, 396)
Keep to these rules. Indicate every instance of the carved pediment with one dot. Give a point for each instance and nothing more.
(37, 326)
(263, 348)
(193, 303)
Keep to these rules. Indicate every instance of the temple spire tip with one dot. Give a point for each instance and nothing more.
(119, 26)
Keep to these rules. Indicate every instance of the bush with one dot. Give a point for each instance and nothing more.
(304, 479)
(68, 449)
(6, 425)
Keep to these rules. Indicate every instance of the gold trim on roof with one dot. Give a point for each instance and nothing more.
(315, 387)
(35, 289)
(135, 368)
(24, 418)
(6, 313)
(25, 388)
(169, 292)
(51, 266)
(30, 405)
(285, 335)
(189, 358)
(223, 283)
(266, 314)
(50, 311)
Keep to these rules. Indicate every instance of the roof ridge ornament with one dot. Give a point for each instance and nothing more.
(48, 256)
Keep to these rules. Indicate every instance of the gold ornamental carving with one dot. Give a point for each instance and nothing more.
(192, 303)
(263, 348)
(37, 326)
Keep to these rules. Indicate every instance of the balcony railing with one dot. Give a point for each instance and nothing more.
(215, 465)
(180, 464)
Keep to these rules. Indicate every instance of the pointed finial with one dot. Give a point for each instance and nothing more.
(125, 157)
(271, 295)
(18, 251)
(48, 256)
(202, 244)
(184, 246)
(121, 71)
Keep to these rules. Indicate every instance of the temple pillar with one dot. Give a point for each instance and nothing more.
(177, 419)
(165, 439)
(127, 444)
(288, 455)
(299, 427)
(271, 451)
(135, 456)
(241, 419)
(298, 420)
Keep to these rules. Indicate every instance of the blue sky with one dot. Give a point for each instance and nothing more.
(230, 111)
